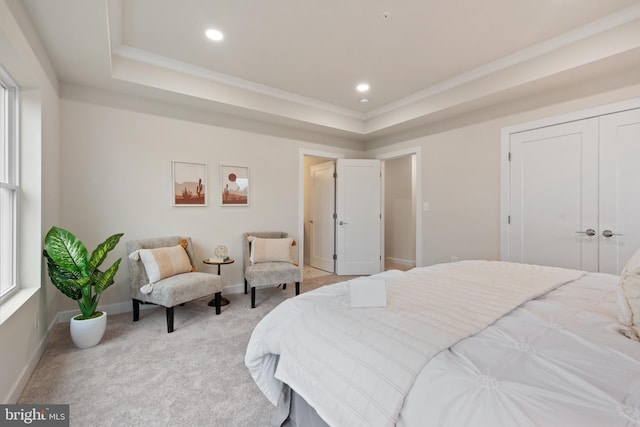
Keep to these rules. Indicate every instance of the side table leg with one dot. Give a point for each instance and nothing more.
(223, 301)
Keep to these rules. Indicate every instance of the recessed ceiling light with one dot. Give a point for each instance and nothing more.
(214, 34)
(362, 87)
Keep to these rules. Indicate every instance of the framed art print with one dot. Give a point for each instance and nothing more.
(234, 183)
(189, 184)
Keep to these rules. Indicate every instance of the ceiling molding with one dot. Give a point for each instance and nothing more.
(190, 69)
(526, 66)
(607, 23)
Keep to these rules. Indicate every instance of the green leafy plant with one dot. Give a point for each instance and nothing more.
(75, 273)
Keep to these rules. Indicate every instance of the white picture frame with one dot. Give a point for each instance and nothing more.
(234, 185)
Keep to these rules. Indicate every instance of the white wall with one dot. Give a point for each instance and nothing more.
(26, 326)
(461, 180)
(117, 178)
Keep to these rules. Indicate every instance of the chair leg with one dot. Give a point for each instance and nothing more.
(253, 297)
(297, 288)
(169, 319)
(217, 301)
(245, 286)
(136, 309)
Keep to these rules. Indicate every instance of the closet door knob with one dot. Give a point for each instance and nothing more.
(609, 233)
(588, 232)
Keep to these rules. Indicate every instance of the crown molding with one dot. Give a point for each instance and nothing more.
(607, 23)
(150, 58)
(408, 108)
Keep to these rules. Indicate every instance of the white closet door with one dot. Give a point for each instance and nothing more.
(619, 189)
(554, 196)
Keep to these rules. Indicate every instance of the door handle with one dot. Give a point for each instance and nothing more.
(609, 233)
(588, 232)
(342, 223)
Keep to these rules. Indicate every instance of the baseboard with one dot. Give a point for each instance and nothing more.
(126, 307)
(30, 366)
(233, 289)
(400, 261)
(121, 307)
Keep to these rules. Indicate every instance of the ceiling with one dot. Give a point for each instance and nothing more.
(298, 62)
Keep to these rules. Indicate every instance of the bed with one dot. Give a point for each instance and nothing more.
(474, 343)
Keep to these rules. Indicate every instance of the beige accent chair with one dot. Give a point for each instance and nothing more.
(267, 273)
(174, 290)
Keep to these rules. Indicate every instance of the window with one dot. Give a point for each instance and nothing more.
(9, 190)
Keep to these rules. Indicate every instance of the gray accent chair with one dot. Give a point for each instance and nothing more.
(170, 291)
(267, 273)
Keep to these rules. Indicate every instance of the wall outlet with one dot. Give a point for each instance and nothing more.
(454, 258)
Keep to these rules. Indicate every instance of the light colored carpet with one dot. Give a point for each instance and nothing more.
(312, 273)
(141, 375)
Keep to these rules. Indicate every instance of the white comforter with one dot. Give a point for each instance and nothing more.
(359, 366)
(559, 360)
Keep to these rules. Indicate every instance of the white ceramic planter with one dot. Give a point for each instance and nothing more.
(88, 333)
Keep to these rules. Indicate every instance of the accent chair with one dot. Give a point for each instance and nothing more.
(182, 282)
(269, 263)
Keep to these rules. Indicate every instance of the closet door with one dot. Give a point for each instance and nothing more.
(553, 196)
(619, 232)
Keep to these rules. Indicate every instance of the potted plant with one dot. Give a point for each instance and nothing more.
(76, 275)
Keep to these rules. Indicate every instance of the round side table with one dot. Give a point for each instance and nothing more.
(223, 301)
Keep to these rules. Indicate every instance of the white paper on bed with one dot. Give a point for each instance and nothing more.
(376, 354)
(367, 293)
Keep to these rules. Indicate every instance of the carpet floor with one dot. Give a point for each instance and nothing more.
(139, 375)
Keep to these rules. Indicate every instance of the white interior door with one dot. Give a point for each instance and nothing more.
(322, 227)
(358, 208)
(619, 232)
(554, 196)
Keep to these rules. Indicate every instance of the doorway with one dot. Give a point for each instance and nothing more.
(400, 212)
(344, 215)
(406, 215)
(319, 209)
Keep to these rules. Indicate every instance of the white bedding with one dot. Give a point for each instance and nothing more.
(523, 370)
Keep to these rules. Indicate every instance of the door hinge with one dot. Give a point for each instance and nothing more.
(335, 257)
(508, 219)
(335, 215)
(335, 174)
(509, 157)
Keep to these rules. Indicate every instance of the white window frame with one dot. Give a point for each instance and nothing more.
(9, 180)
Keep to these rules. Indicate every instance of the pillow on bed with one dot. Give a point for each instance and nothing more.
(270, 250)
(629, 295)
(161, 263)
